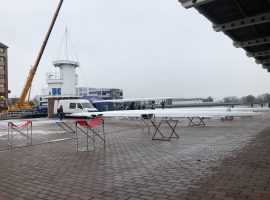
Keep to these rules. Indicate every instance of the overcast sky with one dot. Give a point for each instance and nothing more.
(145, 47)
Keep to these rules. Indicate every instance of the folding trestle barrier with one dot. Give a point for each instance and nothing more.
(150, 120)
(196, 121)
(15, 131)
(87, 133)
(146, 119)
(66, 127)
(171, 125)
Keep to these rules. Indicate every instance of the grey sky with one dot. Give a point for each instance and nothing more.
(145, 47)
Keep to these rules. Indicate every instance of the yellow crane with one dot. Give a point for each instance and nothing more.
(21, 104)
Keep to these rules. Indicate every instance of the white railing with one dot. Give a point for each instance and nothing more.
(54, 76)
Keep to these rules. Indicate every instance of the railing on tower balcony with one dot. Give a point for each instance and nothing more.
(54, 77)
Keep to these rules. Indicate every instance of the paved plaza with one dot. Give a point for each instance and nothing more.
(224, 160)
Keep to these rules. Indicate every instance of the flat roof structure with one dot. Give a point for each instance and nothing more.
(246, 22)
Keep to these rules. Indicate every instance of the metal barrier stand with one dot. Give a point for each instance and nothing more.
(146, 119)
(66, 127)
(196, 121)
(93, 130)
(171, 123)
(19, 130)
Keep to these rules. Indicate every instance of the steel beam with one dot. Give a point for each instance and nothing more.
(244, 22)
(263, 62)
(255, 42)
(258, 54)
(194, 3)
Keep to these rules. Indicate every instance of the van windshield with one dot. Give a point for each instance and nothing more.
(87, 105)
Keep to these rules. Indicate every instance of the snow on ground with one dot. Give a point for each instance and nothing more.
(38, 123)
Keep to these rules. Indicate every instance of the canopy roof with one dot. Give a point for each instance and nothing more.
(246, 22)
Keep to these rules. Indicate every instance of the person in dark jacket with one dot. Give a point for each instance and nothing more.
(153, 104)
(60, 113)
(163, 104)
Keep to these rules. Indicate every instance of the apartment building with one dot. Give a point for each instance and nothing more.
(3, 71)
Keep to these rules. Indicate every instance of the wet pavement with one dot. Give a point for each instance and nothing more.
(223, 160)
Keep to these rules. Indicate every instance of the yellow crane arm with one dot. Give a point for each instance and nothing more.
(21, 102)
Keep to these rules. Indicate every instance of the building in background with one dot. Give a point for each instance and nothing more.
(104, 93)
(64, 81)
(3, 75)
(186, 101)
(3, 71)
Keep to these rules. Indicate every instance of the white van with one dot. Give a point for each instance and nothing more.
(71, 106)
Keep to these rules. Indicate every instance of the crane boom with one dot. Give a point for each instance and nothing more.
(21, 103)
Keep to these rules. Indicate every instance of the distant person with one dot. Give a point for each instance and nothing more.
(153, 104)
(60, 113)
(143, 107)
(132, 106)
(163, 104)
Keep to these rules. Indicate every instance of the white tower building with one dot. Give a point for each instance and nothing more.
(64, 80)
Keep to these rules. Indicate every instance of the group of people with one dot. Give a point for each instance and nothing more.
(133, 106)
(162, 104)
